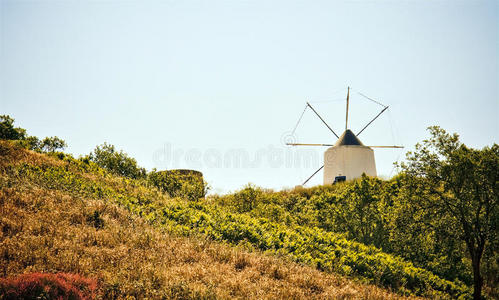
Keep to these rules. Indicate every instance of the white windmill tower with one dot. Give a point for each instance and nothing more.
(348, 158)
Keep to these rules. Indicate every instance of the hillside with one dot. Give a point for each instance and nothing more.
(59, 214)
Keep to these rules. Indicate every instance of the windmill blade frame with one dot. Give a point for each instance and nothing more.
(322, 120)
(313, 175)
(330, 145)
(382, 111)
(299, 144)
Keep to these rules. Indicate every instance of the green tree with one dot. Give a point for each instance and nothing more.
(458, 187)
(117, 162)
(8, 131)
(355, 208)
(247, 198)
(417, 235)
(51, 144)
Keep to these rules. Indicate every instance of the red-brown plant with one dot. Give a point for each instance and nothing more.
(48, 286)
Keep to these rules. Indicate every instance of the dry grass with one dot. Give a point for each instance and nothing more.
(52, 231)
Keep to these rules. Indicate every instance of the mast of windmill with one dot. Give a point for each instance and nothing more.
(348, 101)
(348, 158)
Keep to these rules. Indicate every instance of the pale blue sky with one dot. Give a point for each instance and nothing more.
(212, 79)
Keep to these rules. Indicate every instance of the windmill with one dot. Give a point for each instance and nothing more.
(348, 158)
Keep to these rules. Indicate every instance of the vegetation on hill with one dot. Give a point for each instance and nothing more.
(9, 132)
(69, 216)
(403, 234)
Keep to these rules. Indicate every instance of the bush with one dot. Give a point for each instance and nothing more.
(48, 286)
(96, 220)
(187, 184)
(117, 162)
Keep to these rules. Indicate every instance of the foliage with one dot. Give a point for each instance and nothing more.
(356, 209)
(369, 210)
(48, 144)
(176, 184)
(456, 189)
(96, 219)
(117, 162)
(8, 131)
(48, 286)
(48, 206)
(52, 144)
(325, 250)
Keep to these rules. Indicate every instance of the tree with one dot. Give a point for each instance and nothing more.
(8, 131)
(355, 209)
(117, 162)
(51, 144)
(457, 186)
(247, 198)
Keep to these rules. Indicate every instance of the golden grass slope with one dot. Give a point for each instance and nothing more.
(54, 231)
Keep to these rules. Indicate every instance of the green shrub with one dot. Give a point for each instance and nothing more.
(179, 183)
(117, 162)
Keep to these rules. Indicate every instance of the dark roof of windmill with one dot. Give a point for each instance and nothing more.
(348, 138)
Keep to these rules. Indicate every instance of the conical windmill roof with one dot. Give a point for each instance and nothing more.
(348, 138)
